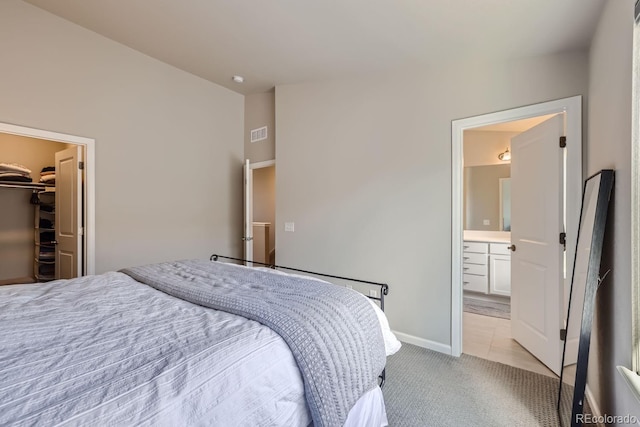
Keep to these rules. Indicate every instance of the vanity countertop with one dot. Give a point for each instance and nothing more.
(487, 236)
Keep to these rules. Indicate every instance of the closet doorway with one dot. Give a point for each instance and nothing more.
(47, 199)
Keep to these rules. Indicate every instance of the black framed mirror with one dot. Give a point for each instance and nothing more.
(586, 280)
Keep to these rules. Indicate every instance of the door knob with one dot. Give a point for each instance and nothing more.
(512, 248)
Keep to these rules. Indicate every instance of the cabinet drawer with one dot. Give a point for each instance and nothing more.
(476, 247)
(500, 248)
(473, 258)
(475, 283)
(475, 269)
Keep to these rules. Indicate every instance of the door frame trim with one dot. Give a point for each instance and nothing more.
(89, 181)
(572, 107)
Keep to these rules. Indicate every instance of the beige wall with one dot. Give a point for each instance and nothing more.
(168, 144)
(369, 188)
(482, 147)
(609, 146)
(264, 200)
(259, 111)
(16, 211)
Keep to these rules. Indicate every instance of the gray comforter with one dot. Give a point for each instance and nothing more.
(332, 332)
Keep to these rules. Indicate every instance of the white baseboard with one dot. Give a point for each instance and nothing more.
(595, 409)
(424, 343)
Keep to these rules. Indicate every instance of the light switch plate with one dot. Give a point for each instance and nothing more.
(289, 226)
(486, 222)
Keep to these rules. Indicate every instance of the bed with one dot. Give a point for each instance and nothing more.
(191, 343)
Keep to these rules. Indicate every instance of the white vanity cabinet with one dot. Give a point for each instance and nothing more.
(486, 267)
(475, 269)
(499, 269)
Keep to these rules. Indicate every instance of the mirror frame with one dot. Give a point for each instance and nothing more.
(593, 281)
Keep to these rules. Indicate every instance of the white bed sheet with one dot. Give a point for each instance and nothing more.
(134, 355)
(369, 411)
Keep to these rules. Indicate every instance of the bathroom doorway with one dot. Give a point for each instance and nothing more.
(486, 241)
(492, 244)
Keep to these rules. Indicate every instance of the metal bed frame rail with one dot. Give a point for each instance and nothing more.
(384, 288)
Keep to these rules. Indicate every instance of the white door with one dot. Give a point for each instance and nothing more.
(248, 212)
(537, 266)
(68, 221)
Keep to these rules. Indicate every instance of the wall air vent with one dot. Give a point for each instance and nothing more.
(259, 134)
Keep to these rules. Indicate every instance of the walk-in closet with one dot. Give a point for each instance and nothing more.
(34, 207)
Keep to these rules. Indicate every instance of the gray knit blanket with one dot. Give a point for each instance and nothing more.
(333, 332)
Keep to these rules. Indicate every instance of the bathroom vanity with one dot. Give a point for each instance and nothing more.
(487, 262)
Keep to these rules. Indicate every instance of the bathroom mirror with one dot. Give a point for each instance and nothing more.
(586, 279)
(486, 196)
(505, 203)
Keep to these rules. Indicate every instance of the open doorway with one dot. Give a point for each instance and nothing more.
(260, 212)
(486, 216)
(264, 214)
(46, 192)
(497, 244)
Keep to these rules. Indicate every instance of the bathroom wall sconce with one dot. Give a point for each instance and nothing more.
(506, 156)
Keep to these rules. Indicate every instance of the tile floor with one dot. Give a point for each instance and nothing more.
(490, 338)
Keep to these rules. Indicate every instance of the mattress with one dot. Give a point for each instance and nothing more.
(108, 350)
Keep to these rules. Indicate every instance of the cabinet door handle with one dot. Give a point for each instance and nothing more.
(465, 268)
(512, 248)
(465, 257)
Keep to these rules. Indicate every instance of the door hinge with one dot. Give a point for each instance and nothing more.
(81, 165)
(563, 239)
(563, 141)
(563, 334)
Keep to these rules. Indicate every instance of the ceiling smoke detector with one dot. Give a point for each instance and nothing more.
(238, 79)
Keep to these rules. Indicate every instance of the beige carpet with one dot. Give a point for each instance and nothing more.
(426, 388)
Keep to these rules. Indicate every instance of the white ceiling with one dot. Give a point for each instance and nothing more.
(514, 126)
(273, 42)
